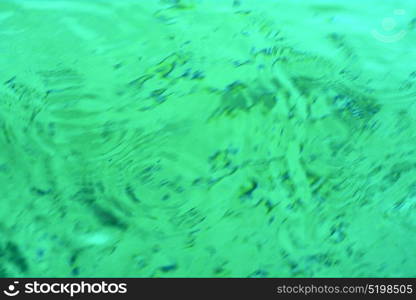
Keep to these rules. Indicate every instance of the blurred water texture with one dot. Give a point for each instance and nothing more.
(207, 138)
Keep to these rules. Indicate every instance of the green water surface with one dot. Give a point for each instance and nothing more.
(203, 138)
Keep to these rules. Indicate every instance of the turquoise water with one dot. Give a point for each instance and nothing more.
(207, 138)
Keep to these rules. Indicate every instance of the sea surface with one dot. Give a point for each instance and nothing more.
(207, 138)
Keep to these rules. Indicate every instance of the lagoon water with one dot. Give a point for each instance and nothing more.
(202, 138)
